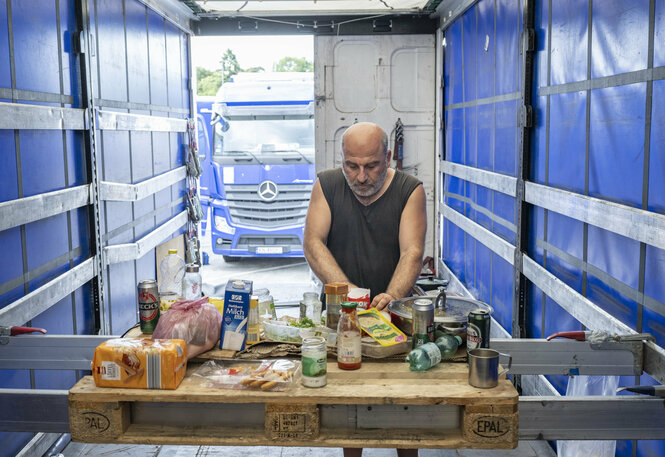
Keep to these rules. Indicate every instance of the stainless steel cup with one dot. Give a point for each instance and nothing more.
(484, 367)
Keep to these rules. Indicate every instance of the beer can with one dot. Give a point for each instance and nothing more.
(422, 317)
(148, 305)
(478, 330)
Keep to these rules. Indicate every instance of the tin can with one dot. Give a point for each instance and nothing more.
(423, 322)
(478, 330)
(148, 305)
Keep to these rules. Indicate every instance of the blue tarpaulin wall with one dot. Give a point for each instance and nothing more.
(599, 131)
(140, 67)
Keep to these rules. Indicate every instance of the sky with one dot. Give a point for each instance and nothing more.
(251, 51)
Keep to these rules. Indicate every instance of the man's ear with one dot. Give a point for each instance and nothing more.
(389, 155)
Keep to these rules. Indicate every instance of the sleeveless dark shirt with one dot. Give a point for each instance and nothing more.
(364, 240)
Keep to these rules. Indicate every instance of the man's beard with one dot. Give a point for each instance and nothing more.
(363, 191)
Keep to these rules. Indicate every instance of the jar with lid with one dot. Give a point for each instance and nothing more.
(349, 350)
(266, 305)
(191, 282)
(314, 362)
(335, 295)
(310, 306)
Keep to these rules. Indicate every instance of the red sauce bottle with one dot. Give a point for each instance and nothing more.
(349, 351)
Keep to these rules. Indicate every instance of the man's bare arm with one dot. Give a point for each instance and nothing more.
(412, 229)
(317, 227)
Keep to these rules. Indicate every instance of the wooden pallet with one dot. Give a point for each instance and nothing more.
(380, 405)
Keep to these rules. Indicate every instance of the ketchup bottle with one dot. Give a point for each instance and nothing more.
(349, 352)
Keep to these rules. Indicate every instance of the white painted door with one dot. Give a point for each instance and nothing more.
(379, 79)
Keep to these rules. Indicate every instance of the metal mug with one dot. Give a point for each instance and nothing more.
(484, 367)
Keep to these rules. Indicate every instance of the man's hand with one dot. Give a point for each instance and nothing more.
(382, 300)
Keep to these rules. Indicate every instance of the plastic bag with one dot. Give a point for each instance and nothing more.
(266, 375)
(583, 386)
(195, 321)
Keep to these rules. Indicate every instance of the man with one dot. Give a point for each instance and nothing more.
(366, 223)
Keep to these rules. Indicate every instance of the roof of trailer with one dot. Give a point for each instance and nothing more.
(227, 8)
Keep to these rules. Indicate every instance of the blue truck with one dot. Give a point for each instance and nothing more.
(261, 164)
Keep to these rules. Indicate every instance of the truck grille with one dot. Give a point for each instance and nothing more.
(288, 208)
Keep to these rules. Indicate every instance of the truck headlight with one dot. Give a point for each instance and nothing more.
(223, 226)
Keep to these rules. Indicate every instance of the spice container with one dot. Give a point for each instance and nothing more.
(314, 362)
(349, 350)
(335, 295)
(191, 282)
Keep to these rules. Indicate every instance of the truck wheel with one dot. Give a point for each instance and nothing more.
(229, 259)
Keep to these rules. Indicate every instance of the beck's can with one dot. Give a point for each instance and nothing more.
(422, 317)
(148, 305)
(478, 330)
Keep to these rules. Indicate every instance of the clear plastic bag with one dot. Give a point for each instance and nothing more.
(583, 386)
(197, 322)
(263, 375)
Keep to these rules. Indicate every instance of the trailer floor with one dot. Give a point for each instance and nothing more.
(524, 449)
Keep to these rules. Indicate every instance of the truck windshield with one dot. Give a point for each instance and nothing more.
(264, 140)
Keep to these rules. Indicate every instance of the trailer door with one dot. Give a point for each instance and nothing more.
(378, 79)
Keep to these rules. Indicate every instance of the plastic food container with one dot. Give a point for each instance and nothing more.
(276, 330)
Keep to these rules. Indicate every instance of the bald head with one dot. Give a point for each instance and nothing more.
(365, 137)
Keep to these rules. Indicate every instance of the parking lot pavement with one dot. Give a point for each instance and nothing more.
(286, 278)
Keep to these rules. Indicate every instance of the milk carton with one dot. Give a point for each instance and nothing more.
(236, 314)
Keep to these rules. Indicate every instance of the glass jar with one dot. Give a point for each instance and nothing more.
(266, 305)
(191, 282)
(349, 350)
(314, 362)
(307, 298)
(310, 307)
(335, 295)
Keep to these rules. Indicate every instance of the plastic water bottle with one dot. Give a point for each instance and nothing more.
(448, 345)
(427, 355)
(172, 268)
(424, 357)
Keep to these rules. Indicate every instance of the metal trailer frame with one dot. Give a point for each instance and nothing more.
(544, 416)
(642, 225)
(94, 117)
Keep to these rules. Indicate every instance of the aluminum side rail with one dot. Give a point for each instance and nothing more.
(36, 117)
(111, 120)
(29, 209)
(34, 410)
(134, 192)
(565, 357)
(626, 417)
(41, 299)
(49, 352)
(132, 251)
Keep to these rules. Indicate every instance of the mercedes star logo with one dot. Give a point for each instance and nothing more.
(267, 191)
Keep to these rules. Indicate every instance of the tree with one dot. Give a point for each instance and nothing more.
(294, 64)
(207, 81)
(229, 65)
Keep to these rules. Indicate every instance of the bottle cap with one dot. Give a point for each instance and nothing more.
(336, 288)
(349, 304)
(192, 268)
(261, 292)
